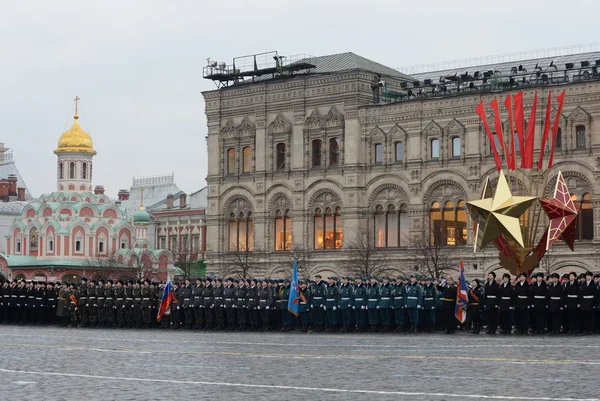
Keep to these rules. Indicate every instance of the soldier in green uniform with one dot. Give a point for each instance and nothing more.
(430, 300)
(385, 303)
(209, 303)
(346, 293)
(109, 303)
(146, 304)
(284, 297)
(414, 302)
(252, 305)
(229, 295)
(100, 300)
(372, 303)
(359, 303)
(129, 305)
(199, 320)
(119, 305)
(92, 303)
(62, 309)
(84, 316)
(398, 303)
(331, 303)
(137, 304)
(318, 291)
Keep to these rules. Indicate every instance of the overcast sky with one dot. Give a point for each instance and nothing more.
(137, 65)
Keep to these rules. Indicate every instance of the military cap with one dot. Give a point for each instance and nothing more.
(522, 274)
(385, 278)
(540, 274)
(154, 283)
(50, 283)
(130, 281)
(573, 273)
(588, 273)
(84, 278)
(428, 279)
(566, 275)
(493, 274)
(597, 275)
(318, 276)
(175, 282)
(393, 280)
(506, 275)
(208, 279)
(147, 281)
(102, 281)
(219, 279)
(555, 275)
(94, 282)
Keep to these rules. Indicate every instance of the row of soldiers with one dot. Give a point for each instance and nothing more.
(568, 304)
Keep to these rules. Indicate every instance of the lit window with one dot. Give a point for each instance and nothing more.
(247, 159)
(334, 151)
(456, 146)
(378, 153)
(316, 153)
(584, 226)
(280, 156)
(241, 232)
(283, 231)
(448, 226)
(580, 136)
(435, 148)
(328, 229)
(399, 152)
(230, 161)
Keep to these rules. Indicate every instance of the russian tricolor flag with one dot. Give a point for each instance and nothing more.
(462, 299)
(165, 302)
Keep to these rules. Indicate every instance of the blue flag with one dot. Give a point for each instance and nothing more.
(294, 299)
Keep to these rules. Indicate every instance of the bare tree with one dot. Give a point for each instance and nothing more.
(303, 257)
(431, 255)
(186, 257)
(143, 264)
(107, 265)
(241, 263)
(362, 257)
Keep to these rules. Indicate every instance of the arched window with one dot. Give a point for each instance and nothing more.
(316, 153)
(231, 161)
(391, 226)
(72, 170)
(334, 151)
(84, 171)
(50, 243)
(456, 146)
(283, 231)
(61, 168)
(435, 148)
(378, 153)
(448, 225)
(399, 155)
(584, 227)
(558, 142)
(18, 244)
(280, 156)
(241, 232)
(580, 137)
(329, 229)
(33, 240)
(123, 241)
(78, 246)
(247, 159)
(101, 246)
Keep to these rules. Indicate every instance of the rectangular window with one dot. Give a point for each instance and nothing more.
(196, 243)
(378, 153)
(316, 153)
(339, 231)
(174, 247)
(580, 137)
(280, 156)
(435, 148)
(184, 243)
(380, 229)
(392, 229)
(247, 162)
(334, 151)
(233, 236)
(456, 146)
(163, 243)
(399, 152)
(230, 161)
(319, 233)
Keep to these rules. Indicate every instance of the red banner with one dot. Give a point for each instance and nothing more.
(527, 154)
(512, 160)
(498, 125)
(561, 100)
(518, 109)
(480, 109)
(546, 131)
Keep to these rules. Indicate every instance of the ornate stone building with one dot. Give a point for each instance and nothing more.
(307, 157)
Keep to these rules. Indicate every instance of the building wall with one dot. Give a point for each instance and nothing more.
(296, 111)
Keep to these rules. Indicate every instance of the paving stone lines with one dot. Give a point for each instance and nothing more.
(47, 363)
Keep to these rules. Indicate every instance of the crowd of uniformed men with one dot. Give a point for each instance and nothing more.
(568, 304)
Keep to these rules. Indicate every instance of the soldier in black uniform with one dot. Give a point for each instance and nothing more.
(15, 301)
(474, 306)
(241, 310)
(120, 305)
(5, 302)
(146, 304)
(572, 303)
(318, 290)
(93, 303)
(539, 302)
(187, 303)
(209, 304)
(109, 303)
(199, 321)
(522, 304)
(229, 295)
(31, 293)
(252, 305)
(506, 304)
(129, 303)
(490, 304)
(449, 299)
(40, 303)
(219, 303)
(84, 317)
(100, 301)
(265, 300)
(137, 304)
(176, 306)
(555, 304)
(51, 302)
(588, 303)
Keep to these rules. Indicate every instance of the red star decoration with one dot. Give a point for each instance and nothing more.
(562, 212)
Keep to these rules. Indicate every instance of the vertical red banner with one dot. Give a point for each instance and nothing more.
(561, 100)
(512, 160)
(546, 131)
(480, 109)
(527, 154)
(498, 125)
(518, 110)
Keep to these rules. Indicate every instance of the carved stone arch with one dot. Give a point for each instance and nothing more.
(433, 128)
(229, 204)
(399, 193)
(397, 130)
(453, 185)
(229, 130)
(511, 179)
(577, 183)
(579, 114)
(377, 133)
(246, 128)
(279, 201)
(279, 126)
(334, 119)
(455, 127)
(569, 264)
(314, 121)
(335, 198)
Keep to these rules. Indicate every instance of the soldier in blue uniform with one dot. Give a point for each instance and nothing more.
(385, 303)
(346, 292)
(372, 303)
(331, 303)
(414, 302)
(430, 300)
(359, 303)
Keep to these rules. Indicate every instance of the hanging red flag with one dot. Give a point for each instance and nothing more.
(518, 110)
(498, 125)
(527, 154)
(546, 131)
(561, 99)
(481, 112)
(512, 160)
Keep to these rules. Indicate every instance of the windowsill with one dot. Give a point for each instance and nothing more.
(328, 250)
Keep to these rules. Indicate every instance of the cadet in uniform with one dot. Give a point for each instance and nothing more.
(318, 291)
(372, 304)
(147, 304)
(51, 303)
(252, 305)
(286, 315)
(430, 300)
(199, 320)
(572, 302)
(129, 303)
(399, 303)
(490, 304)
(120, 304)
(523, 301)
(62, 309)
(449, 299)
(555, 304)
(265, 299)
(303, 309)
(229, 295)
(506, 304)
(137, 304)
(100, 301)
(176, 307)
(539, 302)
(414, 302)
(359, 303)
(346, 292)
(474, 306)
(331, 303)
(188, 309)
(209, 304)
(219, 304)
(385, 303)
(588, 303)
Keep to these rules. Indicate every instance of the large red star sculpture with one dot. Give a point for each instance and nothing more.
(562, 212)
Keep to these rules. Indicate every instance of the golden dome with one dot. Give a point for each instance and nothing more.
(75, 139)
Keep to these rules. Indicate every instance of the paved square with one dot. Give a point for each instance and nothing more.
(97, 364)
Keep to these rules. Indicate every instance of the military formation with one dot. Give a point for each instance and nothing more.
(569, 304)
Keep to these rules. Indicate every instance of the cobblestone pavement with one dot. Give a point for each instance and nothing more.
(97, 364)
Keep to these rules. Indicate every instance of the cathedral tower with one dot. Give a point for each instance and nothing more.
(75, 152)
